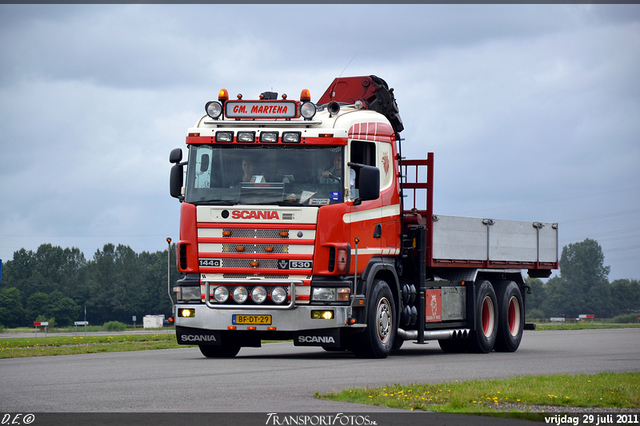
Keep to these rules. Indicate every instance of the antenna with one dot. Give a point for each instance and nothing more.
(333, 93)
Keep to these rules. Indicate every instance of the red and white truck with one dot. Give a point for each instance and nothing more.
(301, 221)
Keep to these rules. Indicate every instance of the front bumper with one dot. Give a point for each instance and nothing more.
(294, 319)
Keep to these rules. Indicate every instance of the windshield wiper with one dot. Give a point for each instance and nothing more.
(216, 202)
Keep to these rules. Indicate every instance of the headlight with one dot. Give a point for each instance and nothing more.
(259, 294)
(331, 294)
(246, 137)
(240, 294)
(214, 109)
(269, 137)
(185, 293)
(291, 137)
(279, 295)
(221, 294)
(224, 137)
(308, 110)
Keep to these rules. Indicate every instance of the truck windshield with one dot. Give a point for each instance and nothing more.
(283, 175)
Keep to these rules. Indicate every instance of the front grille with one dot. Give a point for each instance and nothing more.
(256, 233)
(245, 276)
(255, 248)
(245, 263)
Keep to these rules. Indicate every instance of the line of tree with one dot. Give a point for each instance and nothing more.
(58, 284)
(582, 287)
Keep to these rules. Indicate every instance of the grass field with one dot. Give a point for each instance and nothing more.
(523, 396)
(520, 396)
(70, 345)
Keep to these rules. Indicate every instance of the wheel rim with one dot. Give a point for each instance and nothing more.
(514, 316)
(488, 316)
(384, 320)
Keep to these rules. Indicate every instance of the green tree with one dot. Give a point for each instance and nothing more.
(48, 269)
(625, 296)
(538, 294)
(102, 276)
(11, 311)
(54, 305)
(583, 286)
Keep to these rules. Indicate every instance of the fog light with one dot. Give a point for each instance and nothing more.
(279, 295)
(259, 294)
(327, 315)
(221, 294)
(186, 313)
(214, 109)
(308, 110)
(240, 294)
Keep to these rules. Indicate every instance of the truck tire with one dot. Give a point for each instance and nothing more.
(221, 351)
(510, 317)
(378, 338)
(483, 338)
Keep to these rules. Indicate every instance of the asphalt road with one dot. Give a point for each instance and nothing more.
(282, 378)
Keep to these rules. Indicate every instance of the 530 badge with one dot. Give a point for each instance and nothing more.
(295, 264)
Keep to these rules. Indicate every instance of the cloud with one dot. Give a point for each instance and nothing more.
(531, 110)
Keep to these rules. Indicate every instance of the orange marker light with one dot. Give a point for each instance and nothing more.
(305, 95)
(239, 248)
(226, 233)
(223, 95)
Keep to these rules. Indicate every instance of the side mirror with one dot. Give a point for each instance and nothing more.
(368, 182)
(175, 156)
(176, 181)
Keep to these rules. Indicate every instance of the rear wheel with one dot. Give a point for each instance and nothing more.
(221, 351)
(377, 339)
(510, 317)
(483, 338)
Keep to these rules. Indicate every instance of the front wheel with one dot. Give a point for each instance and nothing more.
(483, 338)
(378, 338)
(510, 317)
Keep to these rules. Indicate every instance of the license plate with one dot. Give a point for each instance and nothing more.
(252, 319)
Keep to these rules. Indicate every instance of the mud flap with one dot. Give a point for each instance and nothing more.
(197, 336)
(326, 338)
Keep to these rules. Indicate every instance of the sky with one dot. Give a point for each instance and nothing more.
(532, 111)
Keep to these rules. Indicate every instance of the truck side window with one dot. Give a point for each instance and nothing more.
(362, 153)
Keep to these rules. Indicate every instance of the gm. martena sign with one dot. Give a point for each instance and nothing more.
(260, 109)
